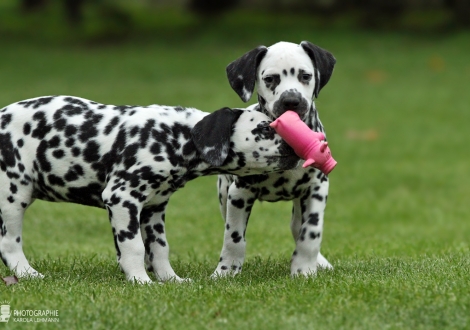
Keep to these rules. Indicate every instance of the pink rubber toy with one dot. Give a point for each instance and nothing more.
(307, 144)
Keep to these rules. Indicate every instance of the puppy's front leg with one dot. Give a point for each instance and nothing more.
(297, 222)
(239, 204)
(152, 225)
(308, 234)
(124, 213)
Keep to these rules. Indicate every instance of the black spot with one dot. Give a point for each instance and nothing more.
(159, 228)
(11, 199)
(55, 180)
(292, 71)
(70, 130)
(37, 102)
(238, 203)
(87, 130)
(18, 239)
(76, 151)
(91, 152)
(284, 72)
(7, 150)
(26, 128)
(155, 149)
(145, 132)
(322, 177)
(42, 127)
(161, 242)
(111, 125)
(13, 188)
(150, 238)
(313, 219)
(59, 153)
(273, 83)
(280, 182)
(20, 143)
(114, 200)
(133, 132)
(318, 197)
(304, 77)
(314, 235)
(6, 119)
(69, 142)
(60, 124)
(41, 156)
(54, 142)
(236, 237)
(130, 154)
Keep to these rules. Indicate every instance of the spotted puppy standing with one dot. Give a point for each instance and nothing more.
(289, 77)
(126, 159)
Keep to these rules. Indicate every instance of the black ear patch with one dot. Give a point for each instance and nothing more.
(323, 61)
(241, 73)
(211, 135)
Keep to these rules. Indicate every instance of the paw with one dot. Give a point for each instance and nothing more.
(306, 268)
(323, 263)
(173, 279)
(224, 271)
(305, 272)
(140, 279)
(28, 273)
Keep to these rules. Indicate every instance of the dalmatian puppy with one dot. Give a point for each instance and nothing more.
(127, 159)
(289, 77)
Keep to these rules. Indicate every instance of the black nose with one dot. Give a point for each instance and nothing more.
(291, 102)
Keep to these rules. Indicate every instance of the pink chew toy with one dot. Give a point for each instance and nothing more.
(307, 144)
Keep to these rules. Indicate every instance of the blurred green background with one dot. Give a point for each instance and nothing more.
(396, 112)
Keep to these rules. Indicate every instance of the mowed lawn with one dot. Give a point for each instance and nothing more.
(397, 225)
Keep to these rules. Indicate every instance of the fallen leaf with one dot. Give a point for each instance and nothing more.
(10, 280)
(367, 135)
(436, 63)
(376, 76)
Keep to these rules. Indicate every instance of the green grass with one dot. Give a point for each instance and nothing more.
(396, 227)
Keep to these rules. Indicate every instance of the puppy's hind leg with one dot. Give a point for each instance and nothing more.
(14, 199)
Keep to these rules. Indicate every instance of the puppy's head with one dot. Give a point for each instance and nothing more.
(242, 142)
(289, 76)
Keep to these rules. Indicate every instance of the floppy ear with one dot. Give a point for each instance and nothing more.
(211, 135)
(323, 61)
(241, 73)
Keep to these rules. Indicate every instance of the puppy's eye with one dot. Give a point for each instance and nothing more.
(306, 77)
(268, 79)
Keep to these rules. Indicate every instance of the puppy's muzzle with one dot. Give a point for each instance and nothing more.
(291, 100)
